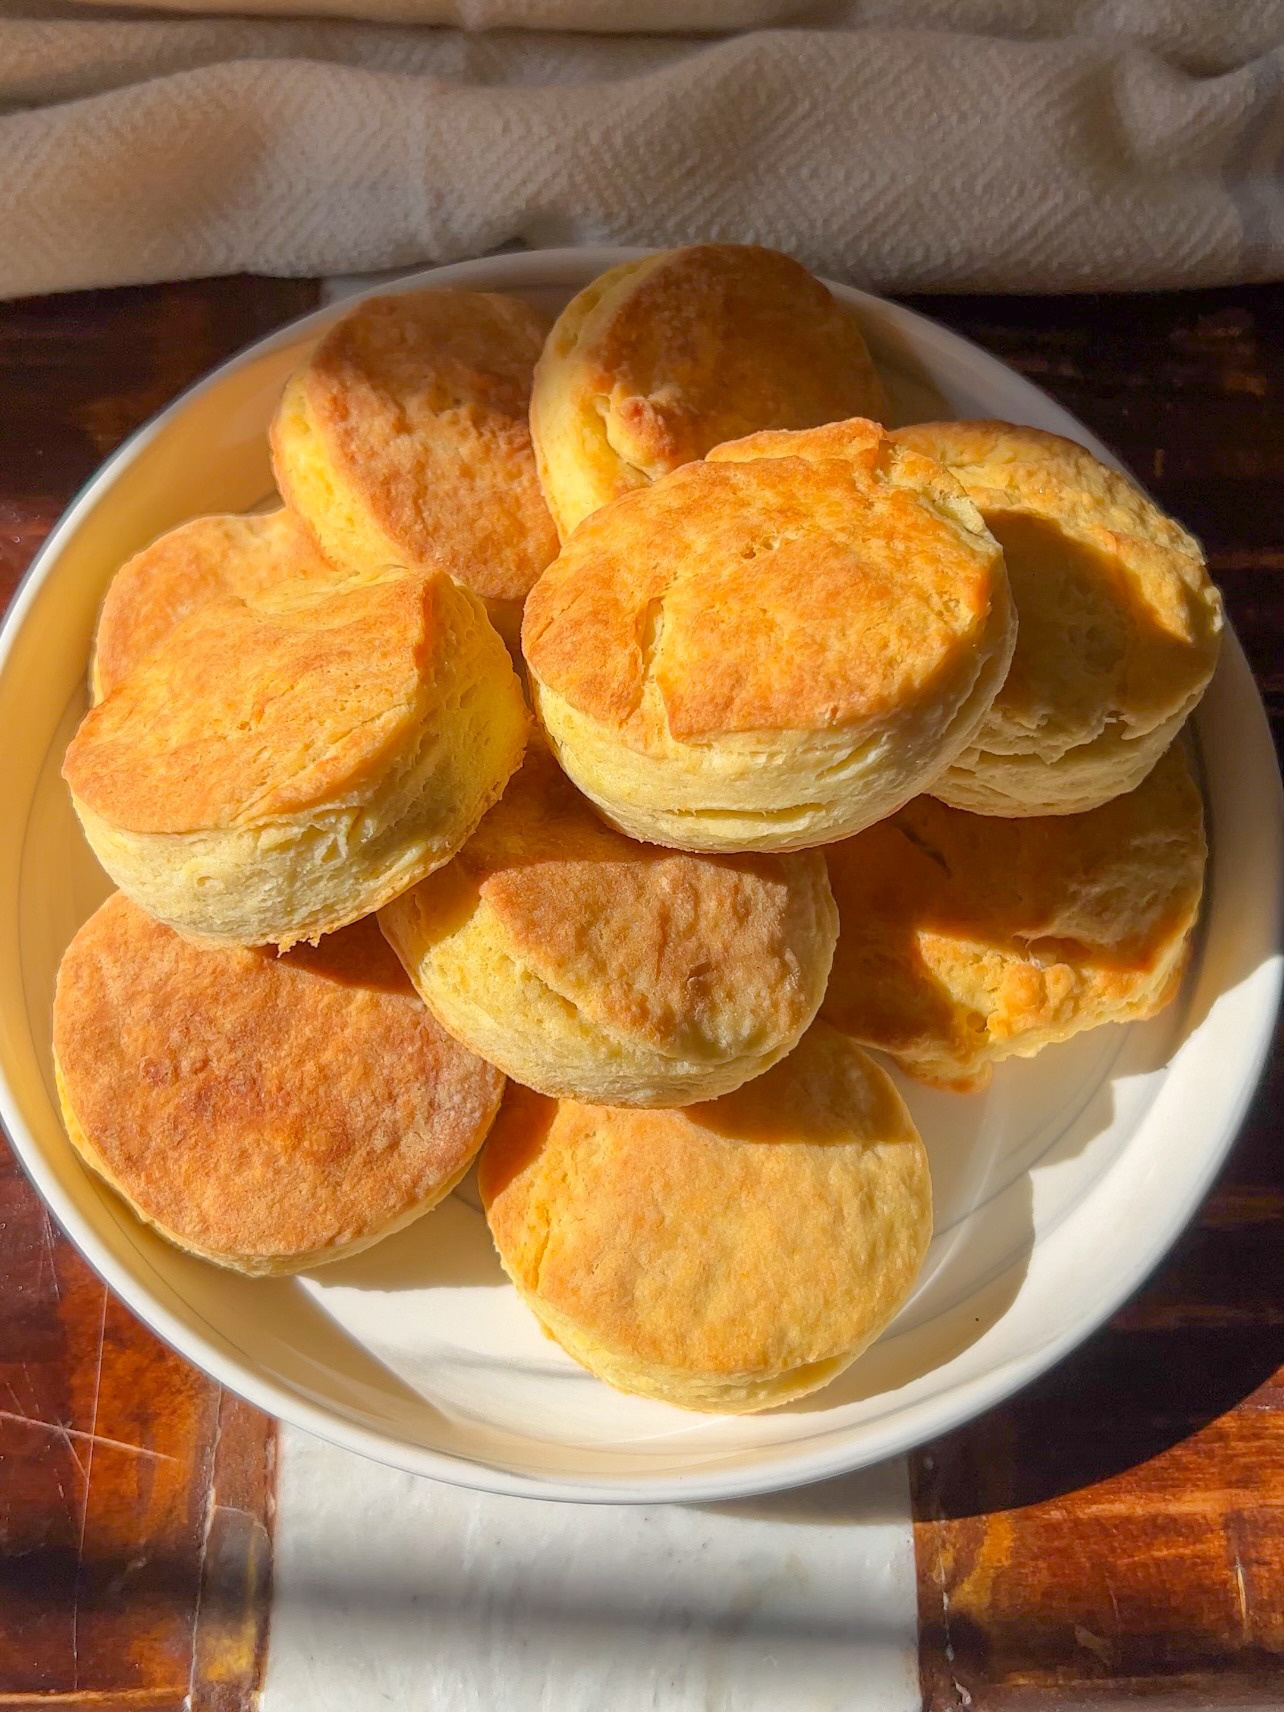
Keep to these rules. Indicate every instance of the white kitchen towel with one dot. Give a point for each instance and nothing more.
(389, 1590)
(1207, 33)
(1142, 147)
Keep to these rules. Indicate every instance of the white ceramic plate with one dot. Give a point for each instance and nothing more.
(1056, 1191)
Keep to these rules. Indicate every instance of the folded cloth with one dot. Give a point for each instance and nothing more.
(909, 158)
(1211, 34)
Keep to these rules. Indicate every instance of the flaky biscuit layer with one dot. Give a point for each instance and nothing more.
(268, 776)
(1119, 626)
(967, 939)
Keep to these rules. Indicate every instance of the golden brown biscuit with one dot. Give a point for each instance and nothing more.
(773, 648)
(264, 560)
(594, 968)
(404, 439)
(966, 939)
(263, 777)
(1119, 626)
(268, 1113)
(728, 1257)
(661, 359)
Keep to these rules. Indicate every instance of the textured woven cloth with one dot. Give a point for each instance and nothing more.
(974, 144)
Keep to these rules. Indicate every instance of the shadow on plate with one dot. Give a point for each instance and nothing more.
(1197, 1340)
(914, 395)
(449, 1246)
(294, 1342)
(978, 1260)
(323, 1363)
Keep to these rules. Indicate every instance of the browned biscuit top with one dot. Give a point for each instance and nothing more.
(779, 1225)
(791, 581)
(715, 341)
(256, 558)
(259, 1105)
(243, 714)
(683, 952)
(421, 401)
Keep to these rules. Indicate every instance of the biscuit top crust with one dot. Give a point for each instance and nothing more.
(957, 927)
(256, 1104)
(695, 955)
(421, 402)
(1119, 624)
(243, 715)
(685, 350)
(261, 559)
(791, 581)
(778, 1225)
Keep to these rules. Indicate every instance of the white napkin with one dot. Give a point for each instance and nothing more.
(398, 1592)
(929, 157)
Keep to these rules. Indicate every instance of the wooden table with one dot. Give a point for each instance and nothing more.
(1113, 1534)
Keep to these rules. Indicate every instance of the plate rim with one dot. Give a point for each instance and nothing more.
(774, 1467)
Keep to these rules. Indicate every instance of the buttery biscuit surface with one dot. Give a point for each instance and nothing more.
(661, 359)
(405, 439)
(592, 966)
(727, 1257)
(260, 559)
(245, 714)
(799, 631)
(269, 773)
(266, 1112)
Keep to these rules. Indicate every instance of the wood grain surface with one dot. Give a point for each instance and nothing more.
(135, 1494)
(1114, 1535)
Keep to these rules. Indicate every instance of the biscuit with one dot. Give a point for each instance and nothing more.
(661, 359)
(773, 648)
(1119, 625)
(265, 560)
(268, 1113)
(262, 777)
(966, 939)
(728, 1257)
(594, 968)
(405, 439)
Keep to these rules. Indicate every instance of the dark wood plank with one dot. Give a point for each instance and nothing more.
(135, 1495)
(1116, 1532)
(80, 372)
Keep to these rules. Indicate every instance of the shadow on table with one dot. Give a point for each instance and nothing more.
(1194, 1343)
(421, 1605)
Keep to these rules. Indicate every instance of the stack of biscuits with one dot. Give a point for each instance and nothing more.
(617, 731)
